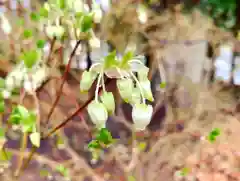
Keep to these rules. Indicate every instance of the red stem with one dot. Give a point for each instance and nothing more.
(63, 81)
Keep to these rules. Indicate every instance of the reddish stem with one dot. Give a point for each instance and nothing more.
(63, 81)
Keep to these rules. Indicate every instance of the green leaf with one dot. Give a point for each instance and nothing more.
(35, 139)
(94, 144)
(110, 60)
(5, 155)
(215, 132)
(2, 133)
(34, 16)
(211, 138)
(2, 106)
(22, 111)
(20, 22)
(62, 4)
(41, 43)
(163, 85)
(126, 58)
(30, 58)
(44, 172)
(2, 83)
(105, 137)
(184, 171)
(43, 12)
(27, 33)
(61, 169)
(86, 23)
(142, 146)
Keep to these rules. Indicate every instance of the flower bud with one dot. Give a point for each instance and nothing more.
(98, 114)
(136, 96)
(87, 80)
(97, 15)
(141, 115)
(6, 27)
(147, 92)
(52, 31)
(125, 88)
(107, 99)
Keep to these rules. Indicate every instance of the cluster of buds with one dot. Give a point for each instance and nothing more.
(134, 90)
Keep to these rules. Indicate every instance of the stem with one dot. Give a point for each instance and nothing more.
(63, 81)
(78, 111)
(140, 88)
(51, 49)
(23, 147)
(98, 86)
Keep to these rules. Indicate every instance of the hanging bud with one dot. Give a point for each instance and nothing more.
(147, 92)
(125, 88)
(141, 115)
(53, 31)
(98, 114)
(87, 80)
(107, 99)
(136, 96)
(6, 27)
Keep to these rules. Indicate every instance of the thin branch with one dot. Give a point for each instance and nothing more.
(63, 80)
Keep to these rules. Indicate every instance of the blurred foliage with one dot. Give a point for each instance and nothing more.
(223, 12)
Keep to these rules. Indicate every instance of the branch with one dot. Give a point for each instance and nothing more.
(63, 81)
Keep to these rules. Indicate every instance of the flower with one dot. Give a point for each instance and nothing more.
(107, 99)
(98, 113)
(125, 88)
(141, 115)
(87, 80)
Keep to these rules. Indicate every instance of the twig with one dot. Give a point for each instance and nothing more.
(63, 80)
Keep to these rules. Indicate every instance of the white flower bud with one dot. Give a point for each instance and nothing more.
(6, 27)
(94, 42)
(108, 100)
(98, 114)
(141, 115)
(98, 15)
(6, 94)
(125, 88)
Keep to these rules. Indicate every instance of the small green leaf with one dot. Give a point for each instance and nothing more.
(2, 106)
(184, 171)
(44, 172)
(2, 133)
(142, 146)
(215, 132)
(41, 43)
(105, 137)
(86, 23)
(94, 144)
(2, 83)
(27, 33)
(43, 12)
(5, 155)
(35, 139)
(61, 169)
(126, 58)
(110, 60)
(20, 22)
(34, 16)
(163, 85)
(211, 138)
(30, 58)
